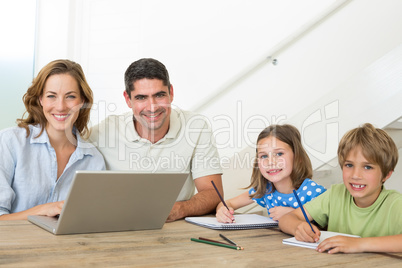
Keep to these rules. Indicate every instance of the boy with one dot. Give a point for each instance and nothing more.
(361, 205)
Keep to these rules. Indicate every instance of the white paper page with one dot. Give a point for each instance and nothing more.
(324, 235)
(241, 220)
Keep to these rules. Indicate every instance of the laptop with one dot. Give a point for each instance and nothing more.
(110, 201)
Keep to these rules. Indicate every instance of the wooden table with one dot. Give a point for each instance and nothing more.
(23, 244)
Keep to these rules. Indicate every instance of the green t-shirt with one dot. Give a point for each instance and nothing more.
(336, 209)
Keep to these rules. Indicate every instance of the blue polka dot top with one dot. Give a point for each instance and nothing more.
(306, 192)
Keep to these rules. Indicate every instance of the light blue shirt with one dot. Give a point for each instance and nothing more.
(28, 169)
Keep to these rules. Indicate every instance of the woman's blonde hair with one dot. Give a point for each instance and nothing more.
(376, 145)
(302, 168)
(31, 98)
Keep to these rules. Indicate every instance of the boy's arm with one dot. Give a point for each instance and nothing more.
(346, 244)
(295, 224)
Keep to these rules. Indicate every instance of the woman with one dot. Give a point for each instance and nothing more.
(38, 158)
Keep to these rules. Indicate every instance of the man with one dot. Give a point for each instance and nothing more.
(154, 137)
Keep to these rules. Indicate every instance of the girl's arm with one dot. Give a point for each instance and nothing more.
(226, 216)
(49, 209)
(277, 212)
(346, 244)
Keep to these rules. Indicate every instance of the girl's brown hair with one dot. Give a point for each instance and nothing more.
(33, 107)
(302, 167)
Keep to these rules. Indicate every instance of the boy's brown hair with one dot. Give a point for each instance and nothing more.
(376, 145)
(302, 167)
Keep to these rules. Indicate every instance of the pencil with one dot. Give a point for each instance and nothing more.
(221, 198)
(302, 209)
(227, 239)
(210, 240)
(215, 244)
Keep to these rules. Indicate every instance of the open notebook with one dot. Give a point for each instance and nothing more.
(324, 235)
(243, 221)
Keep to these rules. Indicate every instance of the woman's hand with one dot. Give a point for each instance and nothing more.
(50, 209)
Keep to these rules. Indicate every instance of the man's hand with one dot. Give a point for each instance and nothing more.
(204, 202)
(175, 213)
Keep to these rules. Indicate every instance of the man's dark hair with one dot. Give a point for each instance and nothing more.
(145, 68)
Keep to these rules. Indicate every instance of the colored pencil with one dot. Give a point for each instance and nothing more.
(215, 244)
(221, 198)
(302, 209)
(227, 239)
(219, 242)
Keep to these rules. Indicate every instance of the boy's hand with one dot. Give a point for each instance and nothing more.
(304, 233)
(340, 243)
(277, 212)
(224, 215)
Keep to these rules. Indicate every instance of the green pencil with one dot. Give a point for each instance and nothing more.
(215, 244)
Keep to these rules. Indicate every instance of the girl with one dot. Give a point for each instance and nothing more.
(281, 165)
(39, 157)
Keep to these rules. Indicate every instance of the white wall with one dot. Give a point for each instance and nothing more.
(346, 73)
(394, 182)
(17, 35)
(336, 50)
(205, 44)
(54, 21)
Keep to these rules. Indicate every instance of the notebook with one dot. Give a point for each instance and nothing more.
(109, 201)
(324, 235)
(243, 221)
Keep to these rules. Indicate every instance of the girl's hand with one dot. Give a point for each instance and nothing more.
(224, 215)
(277, 212)
(304, 233)
(340, 243)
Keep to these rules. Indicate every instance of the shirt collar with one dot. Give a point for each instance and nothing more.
(83, 147)
(176, 118)
(35, 131)
(131, 132)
